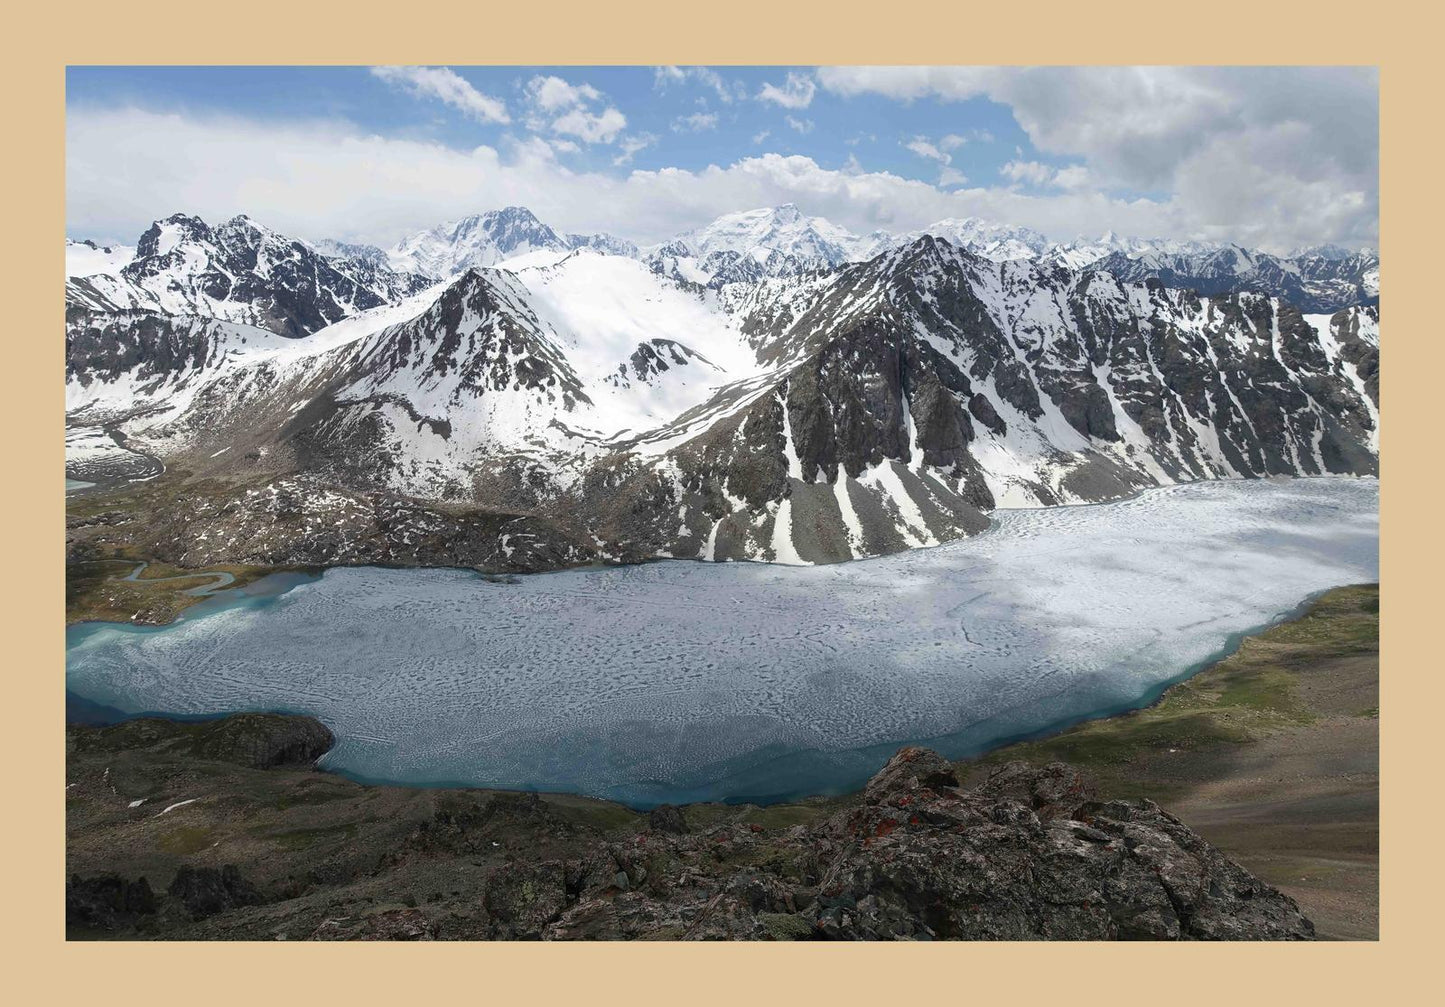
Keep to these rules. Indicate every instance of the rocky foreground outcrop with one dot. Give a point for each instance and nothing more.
(242, 839)
(1030, 854)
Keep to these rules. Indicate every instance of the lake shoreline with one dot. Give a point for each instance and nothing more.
(320, 570)
(339, 817)
(94, 714)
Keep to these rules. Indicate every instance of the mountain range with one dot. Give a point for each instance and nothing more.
(495, 393)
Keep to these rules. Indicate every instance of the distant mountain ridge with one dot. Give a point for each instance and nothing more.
(749, 245)
(779, 241)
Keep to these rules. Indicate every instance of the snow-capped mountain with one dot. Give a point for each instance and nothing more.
(608, 243)
(486, 239)
(482, 239)
(1331, 252)
(781, 241)
(243, 272)
(785, 229)
(999, 242)
(87, 258)
(1313, 283)
(772, 241)
(623, 411)
(347, 250)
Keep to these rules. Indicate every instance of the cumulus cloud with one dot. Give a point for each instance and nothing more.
(948, 176)
(695, 123)
(323, 178)
(630, 145)
(552, 93)
(591, 127)
(796, 92)
(446, 86)
(571, 110)
(1075, 176)
(801, 125)
(1027, 172)
(923, 148)
(1246, 153)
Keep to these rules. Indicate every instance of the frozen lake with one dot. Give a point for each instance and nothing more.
(683, 681)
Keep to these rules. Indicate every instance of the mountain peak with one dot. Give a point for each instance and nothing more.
(513, 213)
(164, 235)
(482, 239)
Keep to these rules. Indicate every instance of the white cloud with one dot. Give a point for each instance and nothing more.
(445, 86)
(801, 125)
(695, 123)
(663, 76)
(577, 104)
(1075, 176)
(760, 137)
(324, 178)
(923, 148)
(631, 145)
(1020, 172)
(796, 92)
(1245, 153)
(948, 176)
(317, 179)
(712, 79)
(590, 127)
(552, 93)
(1027, 172)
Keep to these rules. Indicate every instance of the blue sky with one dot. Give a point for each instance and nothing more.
(371, 153)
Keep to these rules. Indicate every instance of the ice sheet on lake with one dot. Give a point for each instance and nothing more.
(681, 681)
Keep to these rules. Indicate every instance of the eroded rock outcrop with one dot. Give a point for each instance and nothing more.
(1028, 854)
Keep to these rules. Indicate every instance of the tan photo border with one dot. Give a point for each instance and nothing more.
(44, 969)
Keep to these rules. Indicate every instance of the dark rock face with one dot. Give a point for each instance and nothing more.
(654, 358)
(264, 741)
(206, 891)
(521, 900)
(107, 902)
(929, 356)
(253, 740)
(291, 288)
(667, 818)
(391, 925)
(1030, 855)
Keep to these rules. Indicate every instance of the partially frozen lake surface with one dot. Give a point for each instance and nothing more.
(681, 681)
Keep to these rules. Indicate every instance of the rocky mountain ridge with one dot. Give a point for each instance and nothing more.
(241, 272)
(820, 415)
